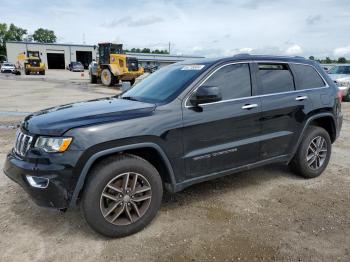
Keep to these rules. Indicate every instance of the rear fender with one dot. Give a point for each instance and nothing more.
(307, 124)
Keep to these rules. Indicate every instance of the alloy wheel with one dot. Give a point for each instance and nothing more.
(125, 198)
(316, 153)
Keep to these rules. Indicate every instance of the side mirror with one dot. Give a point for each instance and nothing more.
(205, 94)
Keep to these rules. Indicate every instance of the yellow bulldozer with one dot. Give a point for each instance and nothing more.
(114, 66)
(33, 64)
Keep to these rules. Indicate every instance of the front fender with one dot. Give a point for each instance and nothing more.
(115, 69)
(94, 157)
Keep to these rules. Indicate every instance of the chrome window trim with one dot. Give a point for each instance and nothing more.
(248, 97)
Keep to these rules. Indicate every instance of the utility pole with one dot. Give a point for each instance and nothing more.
(169, 49)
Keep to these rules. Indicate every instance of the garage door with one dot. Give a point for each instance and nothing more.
(84, 57)
(55, 61)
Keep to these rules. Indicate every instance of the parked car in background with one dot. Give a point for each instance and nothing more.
(327, 68)
(8, 68)
(75, 67)
(150, 68)
(339, 71)
(93, 67)
(340, 74)
(344, 85)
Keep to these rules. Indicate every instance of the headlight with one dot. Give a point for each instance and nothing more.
(53, 144)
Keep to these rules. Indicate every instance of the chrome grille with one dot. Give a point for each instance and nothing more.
(23, 143)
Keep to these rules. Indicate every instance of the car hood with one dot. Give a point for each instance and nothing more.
(56, 121)
(344, 79)
(337, 76)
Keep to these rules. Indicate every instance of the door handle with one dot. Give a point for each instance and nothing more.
(249, 106)
(301, 98)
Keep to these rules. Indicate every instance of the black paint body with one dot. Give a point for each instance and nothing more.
(194, 143)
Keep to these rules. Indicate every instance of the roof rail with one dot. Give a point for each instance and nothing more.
(242, 55)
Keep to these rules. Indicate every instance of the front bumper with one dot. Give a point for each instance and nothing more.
(78, 69)
(35, 69)
(7, 71)
(55, 195)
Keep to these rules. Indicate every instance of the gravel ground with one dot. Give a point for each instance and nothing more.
(266, 214)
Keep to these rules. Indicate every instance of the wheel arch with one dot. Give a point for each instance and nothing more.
(142, 150)
(324, 120)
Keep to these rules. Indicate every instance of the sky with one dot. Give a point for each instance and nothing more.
(194, 27)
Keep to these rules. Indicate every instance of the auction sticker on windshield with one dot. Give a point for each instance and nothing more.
(193, 67)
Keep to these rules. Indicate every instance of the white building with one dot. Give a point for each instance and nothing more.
(55, 56)
(58, 56)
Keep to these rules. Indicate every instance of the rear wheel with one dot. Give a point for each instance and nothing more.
(313, 154)
(26, 72)
(42, 73)
(107, 78)
(122, 196)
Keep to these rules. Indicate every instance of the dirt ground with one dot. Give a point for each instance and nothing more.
(266, 214)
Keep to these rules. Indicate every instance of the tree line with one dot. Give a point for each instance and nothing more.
(147, 51)
(328, 60)
(15, 33)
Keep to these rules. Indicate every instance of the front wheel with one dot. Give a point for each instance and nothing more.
(107, 78)
(313, 154)
(122, 196)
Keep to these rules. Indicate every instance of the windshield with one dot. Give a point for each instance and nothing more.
(8, 64)
(340, 70)
(165, 84)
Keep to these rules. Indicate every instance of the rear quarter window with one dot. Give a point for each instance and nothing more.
(307, 77)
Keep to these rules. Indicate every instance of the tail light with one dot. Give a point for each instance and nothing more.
(340, 95)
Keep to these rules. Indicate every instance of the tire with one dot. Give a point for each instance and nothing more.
(27, 72)
(309, 169)
(107, 78)
(42, 73)
(93, 79)
(113, 170)
(132, 82)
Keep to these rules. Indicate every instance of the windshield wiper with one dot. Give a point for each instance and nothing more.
(130, 98)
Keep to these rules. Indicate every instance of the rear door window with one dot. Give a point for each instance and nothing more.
(275, 78)
(307, 77)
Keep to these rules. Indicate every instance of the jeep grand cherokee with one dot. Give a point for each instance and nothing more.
(186, 123)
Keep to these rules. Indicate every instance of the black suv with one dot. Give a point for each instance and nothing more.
(186, 123)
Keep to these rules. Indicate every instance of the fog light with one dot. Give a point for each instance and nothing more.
(38, 182)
